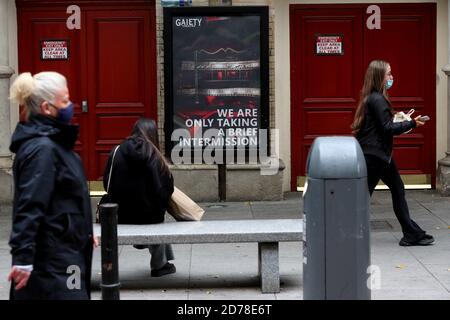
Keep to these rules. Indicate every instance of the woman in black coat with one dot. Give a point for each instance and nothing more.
(52, 239)
(375, 130)
(142, 184)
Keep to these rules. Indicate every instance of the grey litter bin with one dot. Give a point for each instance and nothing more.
(336, 243)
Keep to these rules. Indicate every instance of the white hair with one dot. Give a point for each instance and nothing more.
(31, 91)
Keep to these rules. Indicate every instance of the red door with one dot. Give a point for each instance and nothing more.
(121, 78)
(325, 85)
(34, 27)
(407, 40)
(111, 69)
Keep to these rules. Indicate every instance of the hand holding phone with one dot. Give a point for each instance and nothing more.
(424, 118)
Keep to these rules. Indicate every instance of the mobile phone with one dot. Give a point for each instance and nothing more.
(424, 118)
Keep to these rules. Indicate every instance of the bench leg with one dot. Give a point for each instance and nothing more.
(268, 267)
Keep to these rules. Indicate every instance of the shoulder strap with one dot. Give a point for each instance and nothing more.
(110, 169)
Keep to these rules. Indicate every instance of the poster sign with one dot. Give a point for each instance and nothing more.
(329, 45)
(55, 49)
(216, 75)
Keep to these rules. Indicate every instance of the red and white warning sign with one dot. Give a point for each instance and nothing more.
(329, 45)
(54, 50)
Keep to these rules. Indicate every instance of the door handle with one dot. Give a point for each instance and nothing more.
(84, 106)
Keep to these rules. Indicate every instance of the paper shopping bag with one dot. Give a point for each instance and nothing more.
(183, 208)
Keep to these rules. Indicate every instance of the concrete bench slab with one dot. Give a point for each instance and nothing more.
(266, 232)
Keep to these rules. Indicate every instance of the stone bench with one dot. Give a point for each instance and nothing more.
(266, 232)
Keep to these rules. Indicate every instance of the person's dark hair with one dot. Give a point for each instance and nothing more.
(146, 129)
(373, 81)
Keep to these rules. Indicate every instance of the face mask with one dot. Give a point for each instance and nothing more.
(66, 114)
(389, 84)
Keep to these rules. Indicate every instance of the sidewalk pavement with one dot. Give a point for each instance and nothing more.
(229, 271)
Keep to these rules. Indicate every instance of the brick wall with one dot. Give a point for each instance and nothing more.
(160, 61)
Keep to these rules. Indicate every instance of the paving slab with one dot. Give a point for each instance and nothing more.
(229, 271)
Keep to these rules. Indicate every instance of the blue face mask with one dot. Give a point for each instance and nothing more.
(65, 115)
(389, 84)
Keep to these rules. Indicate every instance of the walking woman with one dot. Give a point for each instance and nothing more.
(142, 184)
(51, 240)
(374, 128)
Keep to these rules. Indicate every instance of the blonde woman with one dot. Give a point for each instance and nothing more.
(51, 239)
(374, 128)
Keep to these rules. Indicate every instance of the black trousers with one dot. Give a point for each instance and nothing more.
(388, 173)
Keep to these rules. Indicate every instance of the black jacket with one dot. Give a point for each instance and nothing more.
(52, 217)
(377, 132)
(138, 185)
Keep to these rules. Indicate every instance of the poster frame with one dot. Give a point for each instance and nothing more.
(169, 14)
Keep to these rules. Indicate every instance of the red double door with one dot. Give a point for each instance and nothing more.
(325, 87)
(109, 64)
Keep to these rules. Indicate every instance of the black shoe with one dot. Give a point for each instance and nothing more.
(167, 269)
(425, 241)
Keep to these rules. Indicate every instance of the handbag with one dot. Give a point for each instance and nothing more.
(401, 116)
(106, 198)
(183, 208)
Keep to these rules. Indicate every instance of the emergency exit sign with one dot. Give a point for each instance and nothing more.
(329, 45)
(54, 49)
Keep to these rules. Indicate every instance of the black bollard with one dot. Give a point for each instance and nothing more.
(110, 260)
(222, 168)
